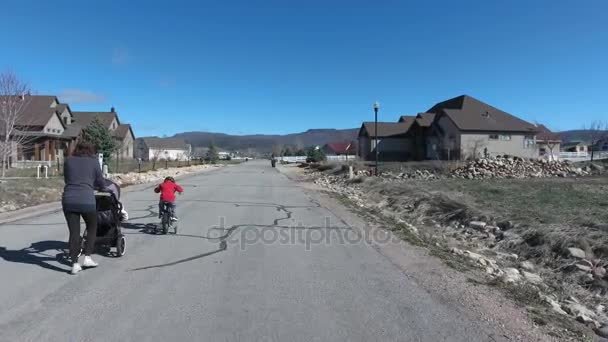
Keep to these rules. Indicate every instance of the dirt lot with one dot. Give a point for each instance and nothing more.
(516, 234)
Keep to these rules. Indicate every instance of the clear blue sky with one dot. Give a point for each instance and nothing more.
(286, 66)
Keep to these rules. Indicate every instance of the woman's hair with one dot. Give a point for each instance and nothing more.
(84, 149)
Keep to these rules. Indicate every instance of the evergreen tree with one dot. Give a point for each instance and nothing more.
(212, 155)
(101, 137)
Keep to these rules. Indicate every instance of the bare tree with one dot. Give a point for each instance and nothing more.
(277, 149)
(13, 100)
(476, 147)
(596, 132)
(155, 157)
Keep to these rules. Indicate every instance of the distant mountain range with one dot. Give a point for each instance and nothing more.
(264, 143)
(578, 135)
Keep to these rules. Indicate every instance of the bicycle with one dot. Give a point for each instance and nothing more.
(166, 222)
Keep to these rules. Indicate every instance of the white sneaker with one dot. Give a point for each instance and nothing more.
(174, 219)
(88, 262)
(76, 268)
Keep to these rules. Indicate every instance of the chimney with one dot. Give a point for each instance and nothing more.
(113, 110)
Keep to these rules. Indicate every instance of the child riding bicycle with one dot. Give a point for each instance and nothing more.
(167, 191)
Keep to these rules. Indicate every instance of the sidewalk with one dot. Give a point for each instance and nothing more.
(53, 207)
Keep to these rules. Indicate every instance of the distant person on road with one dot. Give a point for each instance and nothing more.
(82, 175)
(167, 191)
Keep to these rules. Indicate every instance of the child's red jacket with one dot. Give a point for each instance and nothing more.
(167, 191)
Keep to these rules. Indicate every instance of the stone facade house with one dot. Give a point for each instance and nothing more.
(41, 127)
(123, 133)
(50, 130)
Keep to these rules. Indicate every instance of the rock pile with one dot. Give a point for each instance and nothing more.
(417, 174)
(516, 168)
(133, 178)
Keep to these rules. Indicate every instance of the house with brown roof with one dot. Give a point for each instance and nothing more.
(418, 132)
(464, 127)
(340, 149)
(155, 148)
(123, 133)
(41, 124)
(392, 141)
(50, 130)
(458, 128)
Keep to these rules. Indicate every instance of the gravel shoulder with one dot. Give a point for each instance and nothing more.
(485, 304)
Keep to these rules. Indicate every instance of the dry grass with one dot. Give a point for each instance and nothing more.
(28, 192)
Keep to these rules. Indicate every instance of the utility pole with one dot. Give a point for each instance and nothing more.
(376, 107)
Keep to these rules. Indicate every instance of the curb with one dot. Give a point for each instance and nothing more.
(53, 207)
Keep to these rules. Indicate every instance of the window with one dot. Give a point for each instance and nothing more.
(65, 120)
(529, 141)
(502, 137)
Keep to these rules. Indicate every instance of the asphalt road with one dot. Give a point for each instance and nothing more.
(256, 258)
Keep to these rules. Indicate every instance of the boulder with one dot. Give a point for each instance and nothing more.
(532, 278)
(478, 225)
(554, 305)
(603, 331)
(511, 276)
(527, 265)
(576, 253)
(599, 272)
(576, 309)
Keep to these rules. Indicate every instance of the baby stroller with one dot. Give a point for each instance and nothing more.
(110, 214)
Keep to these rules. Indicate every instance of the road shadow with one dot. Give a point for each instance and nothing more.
(147, 228)
(222, 248)
(37, 254)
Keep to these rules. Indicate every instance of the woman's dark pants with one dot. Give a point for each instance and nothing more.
(73, 219)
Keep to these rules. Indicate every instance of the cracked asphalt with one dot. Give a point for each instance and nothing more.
(255, 259)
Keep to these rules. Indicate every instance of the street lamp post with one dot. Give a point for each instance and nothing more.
(376, 107)
(166, 159)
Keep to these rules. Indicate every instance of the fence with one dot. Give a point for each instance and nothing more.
(582, 156)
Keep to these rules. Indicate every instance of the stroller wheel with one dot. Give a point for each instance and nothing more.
(120, 246)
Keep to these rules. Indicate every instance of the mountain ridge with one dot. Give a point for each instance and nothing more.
(264, 143)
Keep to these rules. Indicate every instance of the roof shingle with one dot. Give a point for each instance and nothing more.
(165, 143)
(387, 129)
(86, 118)
(470, 114)
(37, 110)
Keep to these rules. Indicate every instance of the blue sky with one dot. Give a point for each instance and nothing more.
(248, 66)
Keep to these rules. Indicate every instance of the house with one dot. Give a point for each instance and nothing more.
(126, 140)
(464, 127)
(548, 143)
(123, 133)
(41, 126)
(154, 148)
(49, 130)
(575, 146)
(393, 142)
(340, 149)
(601, 145)
(420, 128)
